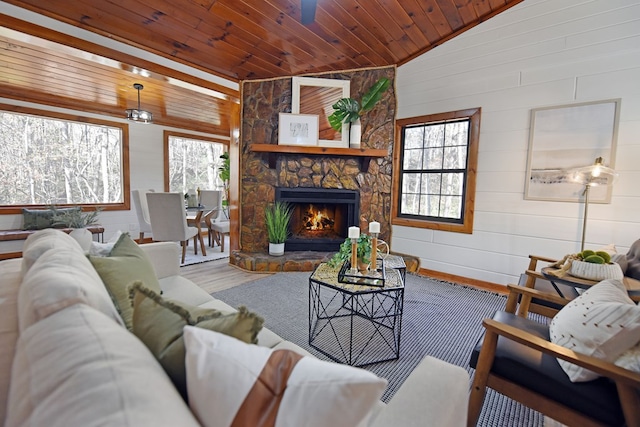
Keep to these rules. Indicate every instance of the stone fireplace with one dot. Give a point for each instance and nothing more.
(321, 217)
(264, 176)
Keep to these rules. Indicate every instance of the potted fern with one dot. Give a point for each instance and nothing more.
(277, 217)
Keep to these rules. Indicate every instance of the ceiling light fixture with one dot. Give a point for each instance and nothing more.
(139, 115)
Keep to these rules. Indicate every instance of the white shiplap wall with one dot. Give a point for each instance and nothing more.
(538, 53)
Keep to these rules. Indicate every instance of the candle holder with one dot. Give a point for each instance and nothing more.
(354, 256)
(374, 250)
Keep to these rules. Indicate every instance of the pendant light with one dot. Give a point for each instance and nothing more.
(139, 115)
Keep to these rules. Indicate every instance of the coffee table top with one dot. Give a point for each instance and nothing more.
(328, 275)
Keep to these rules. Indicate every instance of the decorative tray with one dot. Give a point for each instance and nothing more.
(368, 278)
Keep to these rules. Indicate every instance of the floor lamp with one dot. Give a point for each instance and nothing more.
(590, 176)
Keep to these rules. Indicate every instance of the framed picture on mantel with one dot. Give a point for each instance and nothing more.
(298, 129)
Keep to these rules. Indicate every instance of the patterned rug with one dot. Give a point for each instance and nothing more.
(440, 319)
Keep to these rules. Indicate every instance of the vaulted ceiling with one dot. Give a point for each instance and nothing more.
(235, 39)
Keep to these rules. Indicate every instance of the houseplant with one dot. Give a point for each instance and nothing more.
(277, 217)
(78, 220)
(344, 254)
(349, 110)
(74, 218)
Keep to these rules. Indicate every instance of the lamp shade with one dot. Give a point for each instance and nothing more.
(592, 175)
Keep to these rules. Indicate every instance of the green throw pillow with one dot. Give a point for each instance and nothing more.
(159, 322)
(38, 219)
(126, 264)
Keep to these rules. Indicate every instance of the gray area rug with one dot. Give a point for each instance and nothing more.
(440, 319)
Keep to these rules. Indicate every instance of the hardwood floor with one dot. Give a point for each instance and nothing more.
(218, 275)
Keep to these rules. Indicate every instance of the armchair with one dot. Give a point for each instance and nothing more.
(517, 359)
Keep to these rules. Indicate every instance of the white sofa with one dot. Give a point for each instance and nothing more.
(66, 359)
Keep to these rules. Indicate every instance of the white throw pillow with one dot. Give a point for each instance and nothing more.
(603, 322)
(630, 359)
(104, 249)
(226, 380)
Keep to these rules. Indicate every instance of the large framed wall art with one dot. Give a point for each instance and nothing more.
(567, 137)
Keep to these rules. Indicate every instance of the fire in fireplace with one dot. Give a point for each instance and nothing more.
(321, 217)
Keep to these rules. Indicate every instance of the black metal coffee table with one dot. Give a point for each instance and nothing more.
(354, 324)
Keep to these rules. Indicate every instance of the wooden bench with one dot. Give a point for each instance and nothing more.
(10, 235)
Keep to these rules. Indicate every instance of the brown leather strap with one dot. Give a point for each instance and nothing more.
(260, 407)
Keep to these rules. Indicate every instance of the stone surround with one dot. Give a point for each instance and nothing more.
(262, 101)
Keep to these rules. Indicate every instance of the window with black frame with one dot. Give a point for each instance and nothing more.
(436, 157)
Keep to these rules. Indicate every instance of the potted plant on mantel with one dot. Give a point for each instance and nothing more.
(348, 110)
(277, 217)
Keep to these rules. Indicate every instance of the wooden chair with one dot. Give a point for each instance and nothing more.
(533, 279)
(516, 358)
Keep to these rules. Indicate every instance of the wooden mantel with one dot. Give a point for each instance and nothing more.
(314, 151)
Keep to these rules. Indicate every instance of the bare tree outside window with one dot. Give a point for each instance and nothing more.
(194, 164)
(53, 161)
(437, 161)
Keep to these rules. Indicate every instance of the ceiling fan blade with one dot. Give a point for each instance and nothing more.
(308, 9)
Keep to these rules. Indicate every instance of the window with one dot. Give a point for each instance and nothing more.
(192, 162)
(49, 158)
(436, 170)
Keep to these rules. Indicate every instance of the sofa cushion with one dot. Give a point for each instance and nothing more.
(234, 383)
(59, 279)
(10, 273)
(603, 322)
(80, 356)
(125, 264)
(159, 323)
(43, 241)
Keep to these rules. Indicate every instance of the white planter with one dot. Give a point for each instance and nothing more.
(591, 271)
(276, 249)
(355, 134)
(83, 237)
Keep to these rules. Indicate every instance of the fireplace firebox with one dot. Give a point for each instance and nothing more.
(321, 217)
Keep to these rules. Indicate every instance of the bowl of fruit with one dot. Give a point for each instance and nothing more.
(595, 265)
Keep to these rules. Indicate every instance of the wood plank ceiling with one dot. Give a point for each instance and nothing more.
(234, 39)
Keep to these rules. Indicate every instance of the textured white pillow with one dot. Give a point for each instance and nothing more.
(603, 322)
(226, 380)
(630, 359)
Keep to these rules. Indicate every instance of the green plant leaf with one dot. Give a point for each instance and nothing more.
(375, 93)
(345, 110)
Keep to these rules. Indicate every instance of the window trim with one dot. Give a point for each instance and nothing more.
(165, 148)
(473, 114)
(124, 128)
